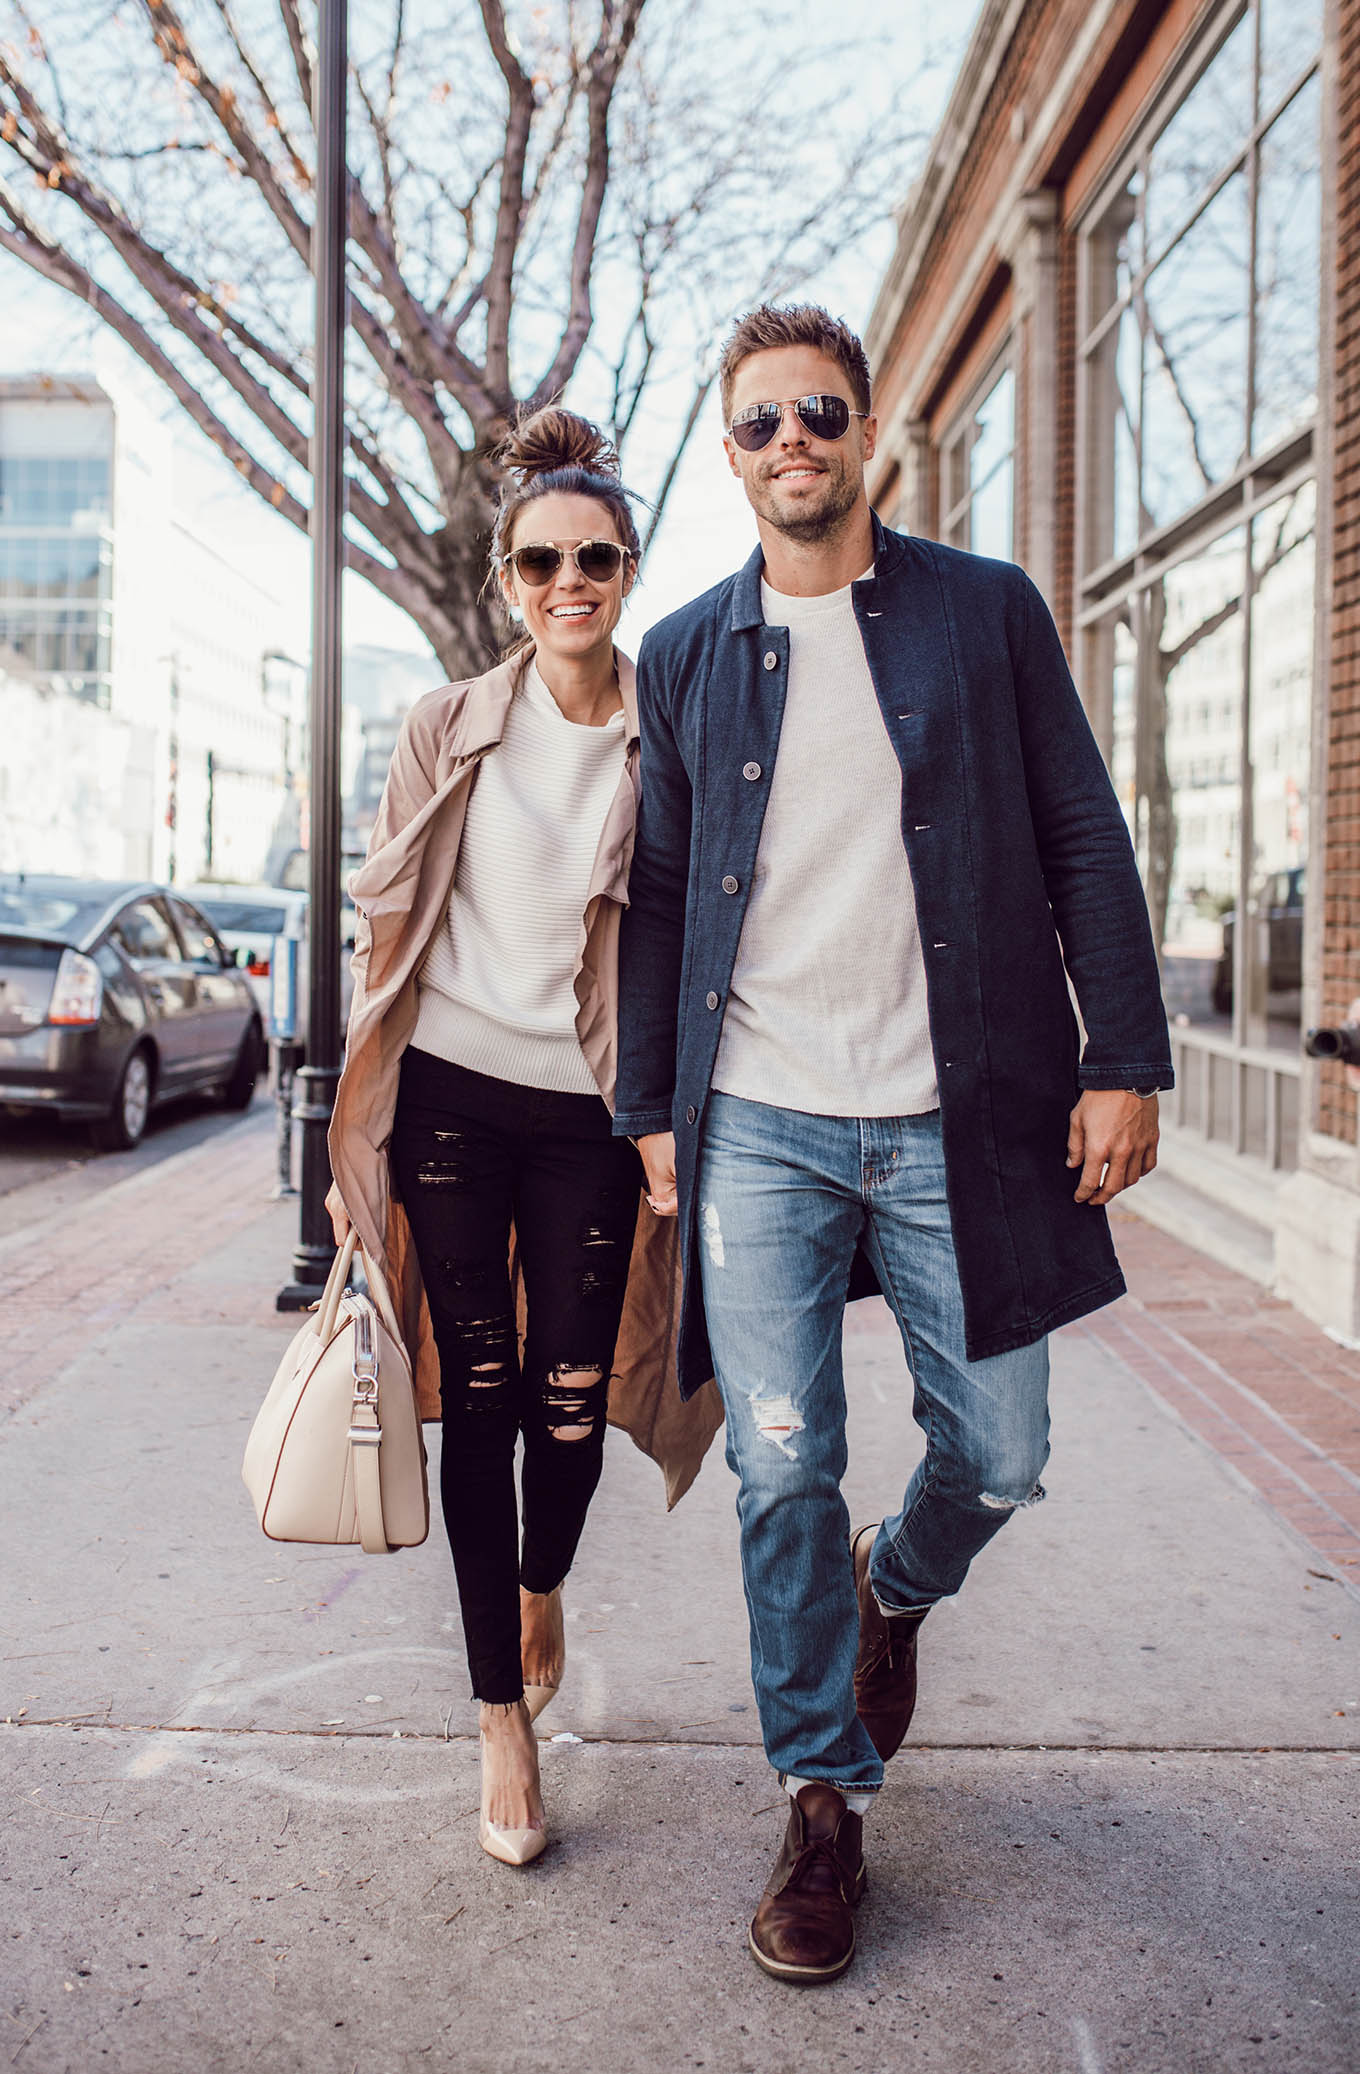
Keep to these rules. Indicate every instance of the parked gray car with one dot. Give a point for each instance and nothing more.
(115, 997)
(250, 918)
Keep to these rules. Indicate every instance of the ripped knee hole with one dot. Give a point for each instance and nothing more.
(574, 1400)
(777, 1419)
(994, 1503)
(486, 1344)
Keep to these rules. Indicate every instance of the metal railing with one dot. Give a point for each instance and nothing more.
(1243, 1097)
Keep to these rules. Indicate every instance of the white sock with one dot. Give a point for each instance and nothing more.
(857, 1800)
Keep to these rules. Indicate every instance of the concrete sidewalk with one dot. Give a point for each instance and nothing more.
(242, 1778)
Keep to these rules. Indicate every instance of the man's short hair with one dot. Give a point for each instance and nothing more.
(797, 324)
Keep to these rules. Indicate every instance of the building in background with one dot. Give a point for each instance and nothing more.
(381, 685)
(1119, 342)
(131, 648)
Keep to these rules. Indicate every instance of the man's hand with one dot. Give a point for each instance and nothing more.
(1113, 1134)
(658, 1159)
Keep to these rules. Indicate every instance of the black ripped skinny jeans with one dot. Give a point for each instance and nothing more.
(468, 1154)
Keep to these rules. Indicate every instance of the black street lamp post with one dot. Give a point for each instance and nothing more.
(317, 1080)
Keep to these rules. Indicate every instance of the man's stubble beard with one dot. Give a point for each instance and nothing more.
(822, 524)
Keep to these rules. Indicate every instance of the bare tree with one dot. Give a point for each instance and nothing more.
(514, 173)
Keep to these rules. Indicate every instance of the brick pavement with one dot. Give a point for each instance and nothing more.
(1268, 1390)
(72, 1277)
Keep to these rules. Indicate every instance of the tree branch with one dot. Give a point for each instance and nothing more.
(606, 61)
(510, 210)
(172, 41)
(297, 44)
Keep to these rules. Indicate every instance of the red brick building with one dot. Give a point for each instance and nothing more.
(1119, 342)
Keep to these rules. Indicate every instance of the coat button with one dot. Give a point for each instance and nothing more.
(750, 770)
(711, 1000)
(691, 1114)
(730, 885)
(771, 659)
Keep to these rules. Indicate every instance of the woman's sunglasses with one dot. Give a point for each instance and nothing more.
(825, 417)
(599, 561)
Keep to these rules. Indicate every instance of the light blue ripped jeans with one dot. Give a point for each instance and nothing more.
(784, 1199)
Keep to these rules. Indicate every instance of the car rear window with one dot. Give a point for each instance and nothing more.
(247, 917)
(18, 956)
(55, 914)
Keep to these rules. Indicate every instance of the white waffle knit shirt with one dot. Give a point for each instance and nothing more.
(827, 1008)
(495, 990)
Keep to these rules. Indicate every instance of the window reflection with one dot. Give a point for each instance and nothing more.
(1288, 270)
(1114, 247)
(1206, 134)
(991, 530)
(1128, 403)
(1188, 634)
(978, 474)
(1281, 696)
(1291, 33)
(1124, 705)
(992, 430)
(1195, 393)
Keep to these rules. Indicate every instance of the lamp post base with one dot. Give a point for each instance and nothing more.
(315, 1249)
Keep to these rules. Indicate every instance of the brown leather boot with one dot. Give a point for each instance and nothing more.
(803, 1930)
(885, 1668)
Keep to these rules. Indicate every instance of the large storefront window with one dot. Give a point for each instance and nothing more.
(1200, 299)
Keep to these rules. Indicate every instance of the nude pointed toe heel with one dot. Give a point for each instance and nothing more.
(509, 1846)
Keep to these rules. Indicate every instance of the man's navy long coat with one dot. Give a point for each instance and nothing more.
(1023, 875)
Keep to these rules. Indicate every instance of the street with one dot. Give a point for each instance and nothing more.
(46, 1165)
(242, 1777)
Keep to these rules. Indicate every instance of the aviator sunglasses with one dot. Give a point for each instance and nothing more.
(599, 561)
(825, 417)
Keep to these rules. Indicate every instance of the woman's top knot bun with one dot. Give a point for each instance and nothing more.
(551, 439)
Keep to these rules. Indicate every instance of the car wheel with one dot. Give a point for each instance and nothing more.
(125, 1123)
(240, 1088)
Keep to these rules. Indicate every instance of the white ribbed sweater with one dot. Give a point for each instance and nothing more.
(495, 991)
(827, 1008)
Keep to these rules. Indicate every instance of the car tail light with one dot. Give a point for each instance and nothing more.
(258, 968)
(78, 991)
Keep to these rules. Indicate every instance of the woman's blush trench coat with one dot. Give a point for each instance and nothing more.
(402, 894)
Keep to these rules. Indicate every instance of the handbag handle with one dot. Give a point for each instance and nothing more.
(382, 1296)
(335, 1286)
(328, 1307)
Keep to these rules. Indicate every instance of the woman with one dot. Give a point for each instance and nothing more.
(475, 1102)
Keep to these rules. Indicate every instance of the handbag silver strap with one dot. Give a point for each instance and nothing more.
(365, 1431)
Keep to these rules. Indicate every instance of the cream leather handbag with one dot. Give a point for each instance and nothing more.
(336, 1453)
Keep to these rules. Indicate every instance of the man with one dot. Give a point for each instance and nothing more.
(876, 839)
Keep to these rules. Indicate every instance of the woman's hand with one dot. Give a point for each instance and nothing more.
(339, 1215)
(658, 1160)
